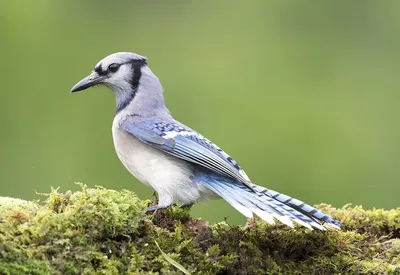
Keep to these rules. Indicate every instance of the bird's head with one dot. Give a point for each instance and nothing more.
(118, 71)
(127, 75)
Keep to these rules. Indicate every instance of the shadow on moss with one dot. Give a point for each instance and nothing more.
(104, 231)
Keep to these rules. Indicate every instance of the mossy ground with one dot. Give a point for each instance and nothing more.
(101, 231)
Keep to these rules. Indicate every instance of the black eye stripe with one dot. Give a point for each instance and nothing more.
(137, 63)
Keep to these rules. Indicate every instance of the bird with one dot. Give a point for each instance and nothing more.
(180, 164)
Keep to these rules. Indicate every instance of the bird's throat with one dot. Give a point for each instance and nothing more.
(124, 99)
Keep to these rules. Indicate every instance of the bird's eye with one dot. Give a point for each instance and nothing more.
(113, 67)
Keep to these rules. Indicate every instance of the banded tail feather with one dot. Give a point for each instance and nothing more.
(298, 205)
(263, 206)
(263, 203)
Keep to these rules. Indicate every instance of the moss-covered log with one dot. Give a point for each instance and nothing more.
(101, 231)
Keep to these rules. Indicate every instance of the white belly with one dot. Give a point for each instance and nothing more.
(171, 177)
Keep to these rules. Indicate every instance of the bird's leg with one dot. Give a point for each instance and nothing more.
(155, 195)
(163, 202)
(153, 208)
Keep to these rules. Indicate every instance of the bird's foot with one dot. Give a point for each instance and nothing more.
(153, 208)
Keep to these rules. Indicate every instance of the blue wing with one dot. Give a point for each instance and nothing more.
(186, 144)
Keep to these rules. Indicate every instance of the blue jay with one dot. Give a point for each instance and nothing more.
(176, 161)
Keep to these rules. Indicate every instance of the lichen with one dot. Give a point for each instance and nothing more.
(102, 231)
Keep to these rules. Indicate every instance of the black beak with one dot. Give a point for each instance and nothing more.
(92, 80)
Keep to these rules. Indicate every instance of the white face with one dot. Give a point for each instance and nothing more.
(116, 76)
(120, 72)
(116, 70)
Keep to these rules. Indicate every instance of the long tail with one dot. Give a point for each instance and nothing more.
(266, 203)
(298, 205)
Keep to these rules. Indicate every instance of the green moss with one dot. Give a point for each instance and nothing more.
(104, 231)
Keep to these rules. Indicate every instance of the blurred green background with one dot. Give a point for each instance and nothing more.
(303, 94)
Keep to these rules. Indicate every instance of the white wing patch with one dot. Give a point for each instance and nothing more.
(172, 134)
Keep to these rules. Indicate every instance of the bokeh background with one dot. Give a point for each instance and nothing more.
(303, 94)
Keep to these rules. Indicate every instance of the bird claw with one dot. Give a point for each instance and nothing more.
(154, 208)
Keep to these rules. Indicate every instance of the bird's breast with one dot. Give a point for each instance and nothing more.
(163, 172)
